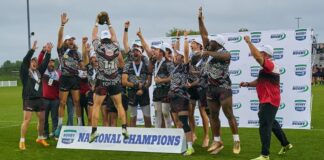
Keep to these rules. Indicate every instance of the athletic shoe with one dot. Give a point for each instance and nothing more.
(189, 152)
(22, 146)
(93, 136)
(236, 147)
(125, 133)
(42, 142)
(284, 149)
(261, 157)
(216, 147)
(57, 133)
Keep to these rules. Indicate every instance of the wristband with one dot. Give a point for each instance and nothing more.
(97, 24)
(126, 29)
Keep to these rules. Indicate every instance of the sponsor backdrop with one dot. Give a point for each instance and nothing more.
(292, 53)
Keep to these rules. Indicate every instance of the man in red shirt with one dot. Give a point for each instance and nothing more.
(50, 82)
(268, 90)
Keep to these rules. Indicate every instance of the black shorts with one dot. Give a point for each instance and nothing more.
(217, 94)
(179, 104)
(202, 93)
(160, 94)
(68, 83)
(90, 98)
(110, 106)
(135, 100)
(34, 105)
(193, 92)
(103, 89)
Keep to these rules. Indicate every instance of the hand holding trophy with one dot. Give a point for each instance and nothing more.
(103, 18)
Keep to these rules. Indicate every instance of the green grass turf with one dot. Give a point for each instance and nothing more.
(307, 143)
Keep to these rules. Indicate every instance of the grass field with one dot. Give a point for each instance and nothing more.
(307, 143)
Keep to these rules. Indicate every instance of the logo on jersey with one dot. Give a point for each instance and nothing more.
(300, 69)
(254, 105)
(300, 34)
(300, 105)
(68, 136)
(255, 71)
(278, 37)
(235, 39)
(256, 37)
(278, 53)
(301, 53)
(235, 55)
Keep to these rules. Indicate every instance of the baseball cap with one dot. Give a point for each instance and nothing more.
(160, 46)
(66, 37)
(218, 38)
(197, 40)
(267, 49)
(105, 34)
(137, 42)
(137, 48)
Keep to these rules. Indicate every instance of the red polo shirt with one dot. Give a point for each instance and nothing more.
(268, 86)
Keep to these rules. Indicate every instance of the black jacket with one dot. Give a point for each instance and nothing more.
(27, 79)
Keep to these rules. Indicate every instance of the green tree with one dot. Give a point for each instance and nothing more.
(173, 32)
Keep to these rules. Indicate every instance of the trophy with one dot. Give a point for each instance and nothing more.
(103, 18)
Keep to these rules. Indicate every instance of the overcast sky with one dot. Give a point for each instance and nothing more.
(155, 17)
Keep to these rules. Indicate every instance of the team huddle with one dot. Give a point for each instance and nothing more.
(99, 79)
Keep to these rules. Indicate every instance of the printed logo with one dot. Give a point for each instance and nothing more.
(278, 37)
(280, 120)
(235, 88)
(300, 89)
(235, 55)
(255, 71)
(256, 37)
(300, 105)
(282, 106)
(300, 34)
(155, 43)
(236, 39)
(237, 105)
(300, 69)
(301, 53)
(253, 122)
(235, 72)
(68, 136)
(254, 105)
(282, 70)
(278, 53)
(300, 124)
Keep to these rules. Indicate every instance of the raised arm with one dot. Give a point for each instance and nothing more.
(64, 20)
(41, 56)
(186, 48)
(30, 53)
(125, 37)
(121, 62)
(202, 28)
(254, 51)
(146, 47)
(85, 50)
(43, 66)
(112, 31)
